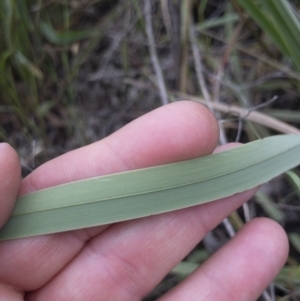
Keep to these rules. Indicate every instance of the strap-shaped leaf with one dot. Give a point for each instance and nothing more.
(149, 191)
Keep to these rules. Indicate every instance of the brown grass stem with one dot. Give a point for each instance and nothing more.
(243, 113)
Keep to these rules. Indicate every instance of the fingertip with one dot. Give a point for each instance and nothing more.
(181, 130)
(272, 236)
(198, 114)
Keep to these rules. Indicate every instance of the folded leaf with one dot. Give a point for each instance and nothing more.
(154, 190)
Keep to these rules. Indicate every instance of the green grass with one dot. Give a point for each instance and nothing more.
(249, 52)
(38, 60)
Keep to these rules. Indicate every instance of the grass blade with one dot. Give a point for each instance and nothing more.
(149, 191)
(283, 24)
(63, 38)
(290, 277)
(278, 19)
(270, 208)
(211, 23)
(264, 22)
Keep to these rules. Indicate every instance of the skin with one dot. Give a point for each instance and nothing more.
(125, 261)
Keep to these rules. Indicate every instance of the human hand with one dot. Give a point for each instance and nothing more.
(125, 261)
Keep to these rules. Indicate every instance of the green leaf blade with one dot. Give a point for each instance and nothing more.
(149, 191)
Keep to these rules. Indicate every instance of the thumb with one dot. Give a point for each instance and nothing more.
(10, 176)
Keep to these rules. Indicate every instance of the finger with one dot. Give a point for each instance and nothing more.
(241, 270)
(129, 259)
(178, 131)
(10, 176)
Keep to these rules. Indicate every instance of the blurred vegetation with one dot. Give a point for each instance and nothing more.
(72, 72)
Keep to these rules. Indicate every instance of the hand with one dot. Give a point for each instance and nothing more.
(125, 261)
